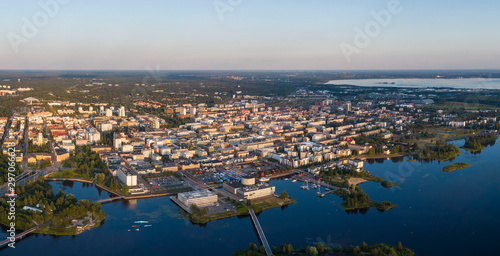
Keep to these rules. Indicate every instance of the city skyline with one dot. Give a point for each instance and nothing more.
(249, 35)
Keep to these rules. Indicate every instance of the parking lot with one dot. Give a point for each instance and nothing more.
(166, 182)
(233, 173)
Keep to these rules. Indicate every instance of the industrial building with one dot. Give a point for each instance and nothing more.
(247, 188)
(200, 198)
(256, 191)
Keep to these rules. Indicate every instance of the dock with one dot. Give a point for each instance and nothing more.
(180, 204)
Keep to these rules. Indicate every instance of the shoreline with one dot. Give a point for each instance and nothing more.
(366, 157)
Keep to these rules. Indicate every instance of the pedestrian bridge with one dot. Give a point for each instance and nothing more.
(262, 236)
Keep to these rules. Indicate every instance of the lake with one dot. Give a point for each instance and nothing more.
(473, 83)
(438, 213)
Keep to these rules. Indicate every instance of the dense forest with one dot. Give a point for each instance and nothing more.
(438, 152)
(32, 148)
(87, 164)
(5, 112)
(4, 169)
(321, 249)
(477, 143)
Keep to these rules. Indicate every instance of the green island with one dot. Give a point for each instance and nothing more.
(200, 216)
(355, 198)
(479, 142)
(57, 213)
(386, 184)
(440, 152)
(322, 250)
(455, 167)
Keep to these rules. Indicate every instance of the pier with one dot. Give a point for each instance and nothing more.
(312, 180)
(262, 236)
(326, 193)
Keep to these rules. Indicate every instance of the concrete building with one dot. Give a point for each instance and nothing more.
(109, 112)
(248, 189)
(127, 177)
(61, 154)
(121, 111)
(256, 191)
(248, 180)
(200, 198)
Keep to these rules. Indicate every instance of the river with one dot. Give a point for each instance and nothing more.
(438, 213)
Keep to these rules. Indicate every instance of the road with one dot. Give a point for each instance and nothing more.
(7, 129)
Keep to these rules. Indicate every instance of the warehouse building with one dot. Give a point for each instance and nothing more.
(200, 198)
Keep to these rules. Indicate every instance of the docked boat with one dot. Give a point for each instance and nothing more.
(294, 180)
(305, 187)
(264, 179)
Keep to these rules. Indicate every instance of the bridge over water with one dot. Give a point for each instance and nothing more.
(18, 236)
(262, 236)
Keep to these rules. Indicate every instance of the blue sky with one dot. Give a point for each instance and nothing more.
(254, 34)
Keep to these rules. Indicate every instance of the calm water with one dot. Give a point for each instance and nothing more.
(477, 83)
(439, 214)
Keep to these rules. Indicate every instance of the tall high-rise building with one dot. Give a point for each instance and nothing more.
(121, 111)
(183, 111)
(109, 112)
(156, 124)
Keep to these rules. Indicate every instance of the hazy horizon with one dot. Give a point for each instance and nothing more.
(249, 35)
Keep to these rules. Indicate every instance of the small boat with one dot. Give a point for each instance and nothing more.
(141, 221)
(306, 186)
(135, 226)
(264, 179)
(294, 180)
(286, 178)
(147, 226)
(129, 230)
(136, 229)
